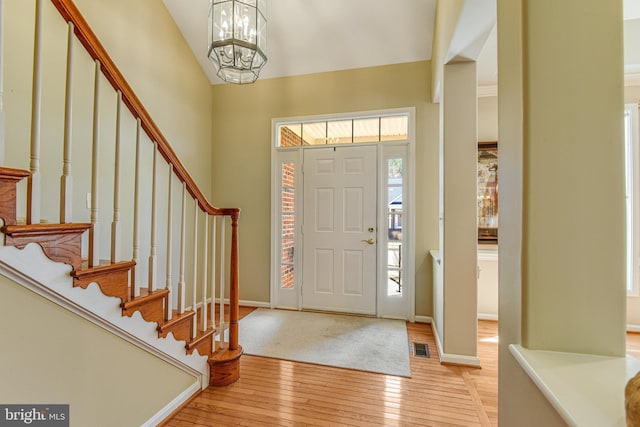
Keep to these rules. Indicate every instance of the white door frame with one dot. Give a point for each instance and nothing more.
(385, 306)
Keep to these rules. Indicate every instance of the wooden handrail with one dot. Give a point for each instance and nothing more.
(94, 48)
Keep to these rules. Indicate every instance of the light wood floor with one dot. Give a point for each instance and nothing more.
(274, 392)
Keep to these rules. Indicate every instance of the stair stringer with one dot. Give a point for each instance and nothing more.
(31, 268)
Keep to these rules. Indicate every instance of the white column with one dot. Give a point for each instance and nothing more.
(33, 185)
(459, 244)
(66, 181)
(115, 225)
(153, 260)
(94, 232)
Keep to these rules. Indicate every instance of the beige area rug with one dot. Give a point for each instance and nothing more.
(362, 343)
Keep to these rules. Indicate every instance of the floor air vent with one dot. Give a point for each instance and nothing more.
(420, 349)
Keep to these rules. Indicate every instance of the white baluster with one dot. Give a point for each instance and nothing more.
(169, 242)
(203, 319)
(33, 184)
(222, 249)
(153, 261)
(66, 181)
(213, 275)
(194, 332)
(115, 225)
(135, 283)
(94, 232)
(181, 284)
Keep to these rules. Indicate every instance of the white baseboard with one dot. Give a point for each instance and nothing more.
(633, 328)
(248, 303)
(173, 405)
(459, 359)
(437, 337)
(453, 359)
(485, 316)
(424, 319)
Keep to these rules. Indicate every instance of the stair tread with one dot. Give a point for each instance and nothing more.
(144, 297)
(200, 336)
(44, 229)
(175, 319)
(85, 270)
(13, 174)
(225, 354)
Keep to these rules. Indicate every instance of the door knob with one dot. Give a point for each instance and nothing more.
(369, 241)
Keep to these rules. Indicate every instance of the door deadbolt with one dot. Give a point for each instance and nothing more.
(370, 229)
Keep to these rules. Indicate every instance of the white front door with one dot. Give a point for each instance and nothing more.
(339, 229)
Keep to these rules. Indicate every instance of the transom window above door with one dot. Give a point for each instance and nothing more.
(344, 131)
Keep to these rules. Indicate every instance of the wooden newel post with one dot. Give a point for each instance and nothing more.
(224, 363)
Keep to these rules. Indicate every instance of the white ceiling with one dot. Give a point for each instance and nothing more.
(312, 36)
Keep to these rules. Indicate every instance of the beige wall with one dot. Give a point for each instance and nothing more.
(144, 41)
(242, 143)
(631, 34)
(58, 357)
(556, 270)
(146, 45)
(488, 118)
(554, 275)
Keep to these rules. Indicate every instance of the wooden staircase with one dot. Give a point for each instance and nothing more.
(117, 278)
(62, 243)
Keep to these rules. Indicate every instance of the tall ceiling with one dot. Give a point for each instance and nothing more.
(312, 36)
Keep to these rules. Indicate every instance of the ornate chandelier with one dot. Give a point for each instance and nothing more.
(238, 39)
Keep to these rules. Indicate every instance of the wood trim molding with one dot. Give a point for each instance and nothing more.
(94, 48)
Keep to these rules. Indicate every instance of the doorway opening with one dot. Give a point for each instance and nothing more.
(342, 223)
